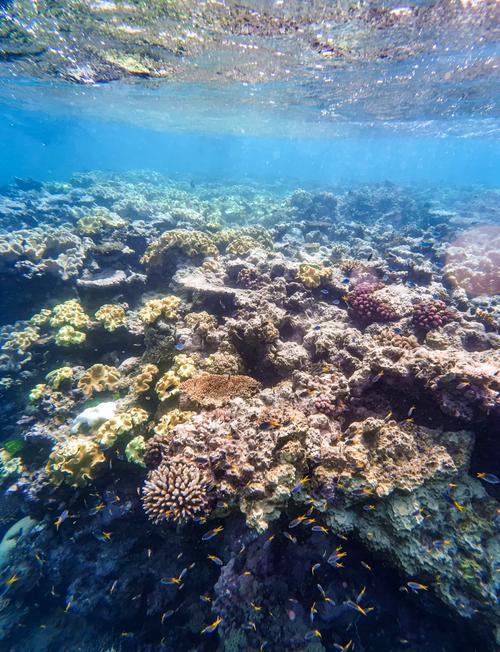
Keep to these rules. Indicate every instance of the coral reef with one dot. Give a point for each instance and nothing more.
(241, 423)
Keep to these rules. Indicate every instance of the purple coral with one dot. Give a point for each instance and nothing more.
(428, 315)
(325, 406)
(367, 307)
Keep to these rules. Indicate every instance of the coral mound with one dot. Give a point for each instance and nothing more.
(431, 314)
(367, 307)
(176, 491)
(214, 390)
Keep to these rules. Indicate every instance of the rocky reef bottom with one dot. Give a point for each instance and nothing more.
(248, 418)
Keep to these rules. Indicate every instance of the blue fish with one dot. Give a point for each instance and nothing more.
(325, 291)
(491, 478)
(179, 346)
(397, 330)
(336, 302)
(426, 245)
(346, 281)
(316, 328)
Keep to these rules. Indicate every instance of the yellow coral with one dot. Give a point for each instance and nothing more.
(98, 220)
(67, 336)
(171, 419)
(9, 465)
(58, 376)
(69, 313)
(74, 461)
(191, 243)
(312, 275)
(99, 378)
(41, 318)
(38, 391)
(111, 316)
(110, 430)
(156, 308)
(135, 449)
(21, 341)
(142, 382)
(183, 368)
(242, 245)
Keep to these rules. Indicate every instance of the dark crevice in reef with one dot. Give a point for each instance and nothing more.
(289, 424)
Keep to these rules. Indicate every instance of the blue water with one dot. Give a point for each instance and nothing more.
(41, 146)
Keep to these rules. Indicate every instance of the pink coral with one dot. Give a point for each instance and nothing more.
(431, 314)
(367, 307)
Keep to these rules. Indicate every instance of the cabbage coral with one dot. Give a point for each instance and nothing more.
(74, 461)
(111, 316)
(176, 491)
(69, 313)
(156, 308)
(190, 243)
(98, 378)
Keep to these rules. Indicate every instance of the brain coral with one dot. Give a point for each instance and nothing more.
(176, 491)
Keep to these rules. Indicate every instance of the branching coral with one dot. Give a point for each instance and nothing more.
(190, 243)
(99, 378)
(177, 491)
(111, 316)
(156, 308)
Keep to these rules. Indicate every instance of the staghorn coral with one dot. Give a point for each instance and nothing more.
(99, 378)
(177, 491)
(111, 316)
(69, 336)
(75, 461)
(156, 308)
(190, 243)
(312, 275)
(428, 315)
